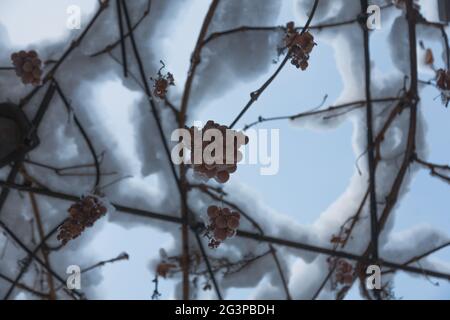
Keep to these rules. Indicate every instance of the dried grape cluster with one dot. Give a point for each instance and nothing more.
(300, 45)
(82, 214)
(343, 273)
(164, 268)
(443, 83)
(219, 169)
(27, 66)
(162, 83)
(223, 223)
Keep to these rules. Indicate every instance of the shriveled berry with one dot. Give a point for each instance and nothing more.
(220, 234)
(27, 66)
(223, 176)
(232, 222)
(213, 211)
(221, 222)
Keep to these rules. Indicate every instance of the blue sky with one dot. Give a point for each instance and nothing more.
(315, 167)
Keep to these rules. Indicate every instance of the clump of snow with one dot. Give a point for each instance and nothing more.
(225, 63)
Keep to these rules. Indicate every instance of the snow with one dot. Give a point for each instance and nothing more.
(127, 133)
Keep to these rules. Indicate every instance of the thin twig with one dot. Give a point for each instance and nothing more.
(423, 255)
(314, 112)
(83, 134)
(240, 233)
(206, 190)
(113, 45)
(66, 54)
(435, 168)
(195, 61)
(256, 94)
(122, 38)
(35, 257)
(41, 295)
(45, 254)
(120, 257)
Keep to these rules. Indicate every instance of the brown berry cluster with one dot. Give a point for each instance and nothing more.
(344, 270)
(82, 214)
(162, 83)
(219, 169)
(163, 268)
(27, 66)
(300, 45)
(443, 83)
(222, 224)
